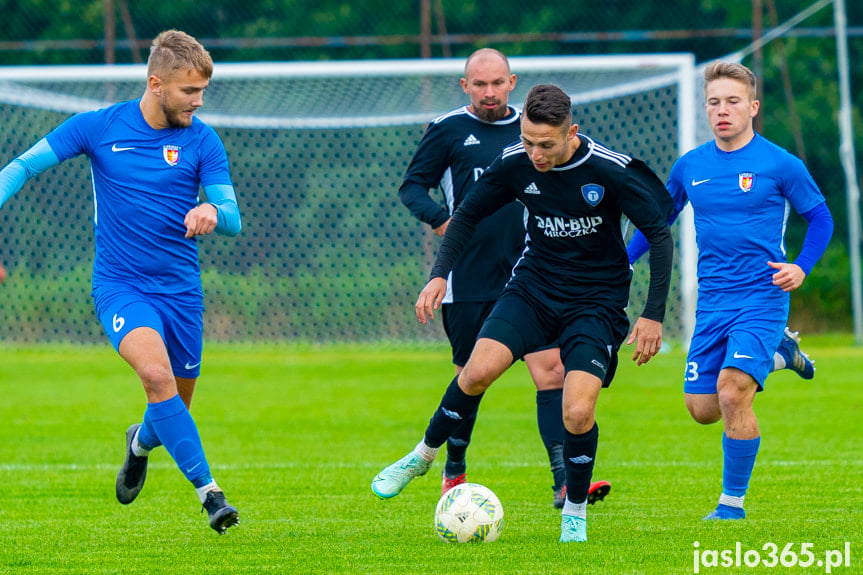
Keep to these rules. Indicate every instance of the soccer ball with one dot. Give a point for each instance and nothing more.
(469, 513)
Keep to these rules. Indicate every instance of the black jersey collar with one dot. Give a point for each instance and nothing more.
(513, 116)
(580, 156)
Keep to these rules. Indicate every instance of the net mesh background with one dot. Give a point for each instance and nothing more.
(327, 252)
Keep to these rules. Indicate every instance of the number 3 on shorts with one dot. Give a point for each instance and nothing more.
(691, 371)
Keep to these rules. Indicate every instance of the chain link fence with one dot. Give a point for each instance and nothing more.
(799, 97)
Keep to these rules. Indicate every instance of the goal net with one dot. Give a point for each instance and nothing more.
(317, 153)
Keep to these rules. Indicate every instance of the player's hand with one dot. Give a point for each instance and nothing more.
(789, 277)
(201, 220)
(430, 299)
(441, 229)
(648, 334)
(2, 273)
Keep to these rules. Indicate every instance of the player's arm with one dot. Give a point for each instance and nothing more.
(790, 276)
(488, 195)
(418, 200)
(424, 174)
(459, 230)
(225, 199)
(648, 208)
(220, 213)
(13, 177)
(647, 331)
(639, 245)
(32, 162)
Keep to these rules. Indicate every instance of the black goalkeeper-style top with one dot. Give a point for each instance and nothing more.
(452, 154)
(574, 237)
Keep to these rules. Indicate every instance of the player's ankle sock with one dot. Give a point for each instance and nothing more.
(455, 407)
(138, 448)
(146, 437)
(177, 431)
(731, 501)
(549, 418)
(425, 451)
(778, 361)
(738, 462)
(579, 453)
(206, 488)
(576, 509)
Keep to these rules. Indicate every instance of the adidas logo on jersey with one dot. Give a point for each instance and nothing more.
(532, 189)
(471, 141)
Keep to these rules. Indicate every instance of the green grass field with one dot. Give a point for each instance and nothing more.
(295, 434)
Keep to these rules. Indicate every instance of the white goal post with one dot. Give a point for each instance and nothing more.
(317, 152)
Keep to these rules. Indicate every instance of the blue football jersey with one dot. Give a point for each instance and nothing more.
(741, 201)
(144, 183)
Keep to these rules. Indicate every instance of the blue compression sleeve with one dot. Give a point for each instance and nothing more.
(818, 235)
(637, 246)
(32, 162)
(177, 431)
(225, 199)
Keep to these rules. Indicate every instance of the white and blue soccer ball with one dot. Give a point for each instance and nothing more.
(469, 513)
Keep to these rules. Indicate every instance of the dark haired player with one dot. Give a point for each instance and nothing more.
(571, 286)
(452, 154)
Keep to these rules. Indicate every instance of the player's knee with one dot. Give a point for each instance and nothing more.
(157, 378)
(550, 379)
(703, 410)
(578, 417)
(475, 380)
(546, 369)
(548, 375)
(480, 373)
(733, 400)
(704, 417)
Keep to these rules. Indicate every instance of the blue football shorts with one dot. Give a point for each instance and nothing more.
(589, 334)
(178, 318)
(745, 339)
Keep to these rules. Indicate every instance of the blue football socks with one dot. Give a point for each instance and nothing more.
(176, 430)
(738, 462)
(147, 438)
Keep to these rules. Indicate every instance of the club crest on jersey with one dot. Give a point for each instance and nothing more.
(746, 180)
(592, 194)
(171, 154)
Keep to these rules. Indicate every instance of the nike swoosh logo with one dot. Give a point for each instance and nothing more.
(192, 366)
(194, 467)
(738, 355)
(114, 148)
(699, 182)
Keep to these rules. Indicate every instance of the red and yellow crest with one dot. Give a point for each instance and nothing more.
(171, 154)
(746, 180)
